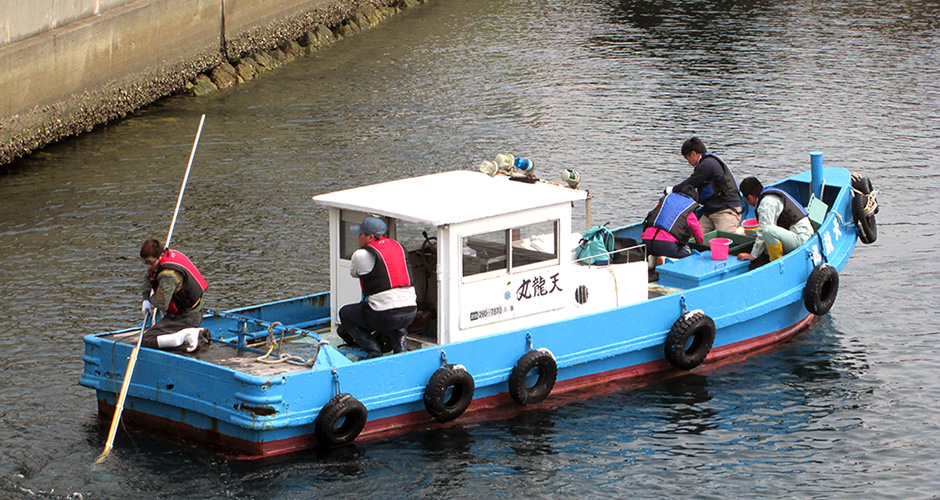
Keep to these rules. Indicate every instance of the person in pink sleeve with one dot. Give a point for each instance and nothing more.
(668, 227)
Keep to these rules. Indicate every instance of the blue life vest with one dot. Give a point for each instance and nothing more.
(671, 215)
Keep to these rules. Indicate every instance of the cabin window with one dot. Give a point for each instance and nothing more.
(485, 252)
(348, 240)
(534, 243)
(509, 249)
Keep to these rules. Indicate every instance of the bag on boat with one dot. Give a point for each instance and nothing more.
(595, 246)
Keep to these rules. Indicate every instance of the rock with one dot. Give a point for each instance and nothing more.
(325, 36)
(309, 40)
(228, 68)
(292, 49)
(222, 77)
(278, 55)
(265, 62)
(246, 68)
(202, 85)
(361, 20)
(347, 29)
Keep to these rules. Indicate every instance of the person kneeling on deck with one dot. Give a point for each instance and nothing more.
(173, 285)
(784, 223)
(667, 227)
(390, 303)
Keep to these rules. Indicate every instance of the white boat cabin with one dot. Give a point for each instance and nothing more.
(487, 254)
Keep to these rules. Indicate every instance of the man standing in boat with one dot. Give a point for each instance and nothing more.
(784, 223)
(717, 189)
(390, 302)
(173, 285)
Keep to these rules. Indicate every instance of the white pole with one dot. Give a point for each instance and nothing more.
(119, 406)
(185, 178)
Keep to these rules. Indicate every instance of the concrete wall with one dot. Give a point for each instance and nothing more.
(21, 19)
(98, 67)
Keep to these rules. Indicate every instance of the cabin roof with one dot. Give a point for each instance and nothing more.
(450, 197)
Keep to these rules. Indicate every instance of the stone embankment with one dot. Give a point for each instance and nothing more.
(242, 69)
(33, 116)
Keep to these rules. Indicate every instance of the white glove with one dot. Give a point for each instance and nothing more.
(668, 190)
(146, 307)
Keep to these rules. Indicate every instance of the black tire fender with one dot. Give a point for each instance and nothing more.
(865, 224)
(689, 340)
(340, 421)
(449, 393)
(861, 183)
(541, 360)
(822, 286)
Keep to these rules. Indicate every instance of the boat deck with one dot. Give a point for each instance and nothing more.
(252, 360)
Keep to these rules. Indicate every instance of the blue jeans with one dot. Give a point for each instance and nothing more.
(373, 330)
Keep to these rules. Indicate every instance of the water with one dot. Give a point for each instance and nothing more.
(846, 410)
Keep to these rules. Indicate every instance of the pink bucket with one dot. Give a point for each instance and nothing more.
(719, 248)
(750, 227)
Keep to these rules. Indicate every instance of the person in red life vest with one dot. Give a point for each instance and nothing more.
(174, 286)
(379, 322)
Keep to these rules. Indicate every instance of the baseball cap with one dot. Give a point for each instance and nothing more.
(372, 226)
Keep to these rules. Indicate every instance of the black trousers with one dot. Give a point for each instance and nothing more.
(171, 323)
(371, 329)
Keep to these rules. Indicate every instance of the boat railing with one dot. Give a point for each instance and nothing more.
(270, 326)
(631, 257)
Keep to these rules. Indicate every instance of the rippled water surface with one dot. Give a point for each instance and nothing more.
(848, 409)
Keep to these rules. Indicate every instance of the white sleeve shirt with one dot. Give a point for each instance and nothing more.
(362, 262)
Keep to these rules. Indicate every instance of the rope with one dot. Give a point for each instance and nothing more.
(286, 358)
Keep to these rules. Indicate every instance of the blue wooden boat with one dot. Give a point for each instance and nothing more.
(509, 317)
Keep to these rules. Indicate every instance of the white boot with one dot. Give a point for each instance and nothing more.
(171, 340)
(188, 336)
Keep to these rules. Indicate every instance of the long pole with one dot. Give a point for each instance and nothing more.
(119, 407)
(189, 166)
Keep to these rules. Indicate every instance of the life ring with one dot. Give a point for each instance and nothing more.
(821, 289)
(538, 359)
(689, 340)
(448, 393)
(340, 421)
(864, 207)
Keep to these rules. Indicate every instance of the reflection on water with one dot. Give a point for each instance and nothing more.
(608, 87)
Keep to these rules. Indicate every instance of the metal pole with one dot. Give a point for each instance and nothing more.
(816, 173)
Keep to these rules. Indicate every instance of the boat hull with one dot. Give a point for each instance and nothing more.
(216, 436)
(253, 414)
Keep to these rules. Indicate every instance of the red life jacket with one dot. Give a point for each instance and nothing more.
(193, 283)
(391, 268)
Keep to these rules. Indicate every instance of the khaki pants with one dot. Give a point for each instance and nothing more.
(723, 220)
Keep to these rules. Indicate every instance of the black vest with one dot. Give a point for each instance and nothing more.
(792, 212)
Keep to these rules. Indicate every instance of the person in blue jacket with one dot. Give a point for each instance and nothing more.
(716, 187)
